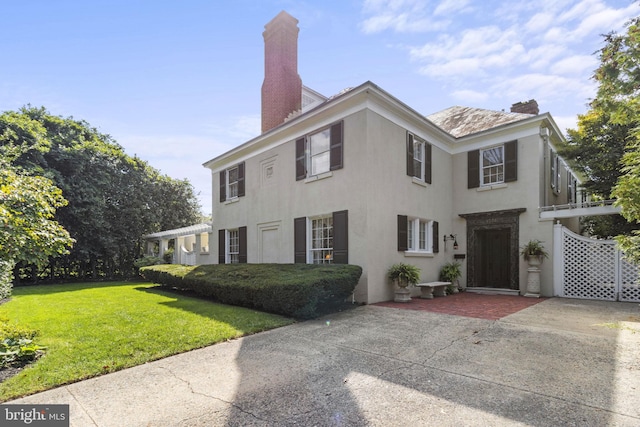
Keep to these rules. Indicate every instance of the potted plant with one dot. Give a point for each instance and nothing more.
(534, 251)
(451, 272)
(403, 275)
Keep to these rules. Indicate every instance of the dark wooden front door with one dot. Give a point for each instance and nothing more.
(493, 258)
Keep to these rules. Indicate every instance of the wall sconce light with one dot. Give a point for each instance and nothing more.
(451, 237)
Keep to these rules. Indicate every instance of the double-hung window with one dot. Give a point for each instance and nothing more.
(418, 158)
(572, 188)
(232, 182)
(319, 152)
(555, 171)
(322, 239)
(232, 245)
(321, 245)
(417, 235)
(492, 165)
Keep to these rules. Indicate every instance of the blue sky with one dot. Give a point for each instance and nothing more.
(178, 82)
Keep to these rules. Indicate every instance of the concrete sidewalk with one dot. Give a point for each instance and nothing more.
(560, 362)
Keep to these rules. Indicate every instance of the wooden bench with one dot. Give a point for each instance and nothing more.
(431, 289)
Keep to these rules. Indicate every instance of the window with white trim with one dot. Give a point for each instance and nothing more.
(572, 187)
(233, 246)
(232, 182)
(419, 235)
(418, 158)
(318, 151)
(321, 240)
(555, 171)
(492, 170)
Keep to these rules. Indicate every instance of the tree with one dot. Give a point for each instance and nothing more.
(619, 92)
(28, 231)
(113, 199)
(607, 131)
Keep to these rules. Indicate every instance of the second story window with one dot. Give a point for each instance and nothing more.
(319, 152)
(492, 165)
(318, 148)
(232, 182)
(418, 158)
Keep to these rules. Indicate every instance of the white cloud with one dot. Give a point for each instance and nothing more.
(576, 65)
(450, 6)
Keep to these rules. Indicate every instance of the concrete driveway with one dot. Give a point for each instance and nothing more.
(560, 362)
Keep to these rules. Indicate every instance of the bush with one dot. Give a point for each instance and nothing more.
(147, 261)
(302, 291)
(167, 257)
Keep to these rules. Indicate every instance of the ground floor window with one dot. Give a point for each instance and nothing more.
(232, 245)
(417, 234)
(322, 239)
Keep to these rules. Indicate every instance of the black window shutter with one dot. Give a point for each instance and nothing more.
(300, 240)
(223, 185)
(436, 238)
(473, 169)
(242, 245)
(335, 155)
(241, 179)
(340, 237)
(301, 170)
(222, 246)
(409, 154)
(511, 161)
(427, 163)
(403, 242)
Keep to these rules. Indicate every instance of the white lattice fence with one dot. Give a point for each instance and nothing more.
(592, 269)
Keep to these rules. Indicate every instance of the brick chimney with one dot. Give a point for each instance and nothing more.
(282, 86)
(527, 107)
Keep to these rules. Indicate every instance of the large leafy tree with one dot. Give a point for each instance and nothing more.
(29, 232)
(619, 77)
(607, 131)
(114, 199)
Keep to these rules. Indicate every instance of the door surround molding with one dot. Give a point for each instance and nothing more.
(493, 220)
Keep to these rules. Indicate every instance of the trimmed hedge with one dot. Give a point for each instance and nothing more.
(302, 291)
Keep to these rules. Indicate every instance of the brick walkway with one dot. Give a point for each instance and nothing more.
(468, 304)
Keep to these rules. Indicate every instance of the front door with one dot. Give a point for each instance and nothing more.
(493, 260)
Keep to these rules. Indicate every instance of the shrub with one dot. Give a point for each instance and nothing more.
(147, 261)
(302, 291)
(167, 257)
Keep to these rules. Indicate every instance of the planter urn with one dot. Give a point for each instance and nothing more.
(533, 277)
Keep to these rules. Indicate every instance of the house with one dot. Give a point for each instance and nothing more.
(363, 178)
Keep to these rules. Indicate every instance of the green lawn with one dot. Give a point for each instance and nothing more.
(91, 329)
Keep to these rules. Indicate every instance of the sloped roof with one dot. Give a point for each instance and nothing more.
(462, 121)
(177, 232)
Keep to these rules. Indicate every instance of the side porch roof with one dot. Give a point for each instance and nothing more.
(178, 232)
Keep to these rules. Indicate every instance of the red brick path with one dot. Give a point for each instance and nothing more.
(468, 304)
